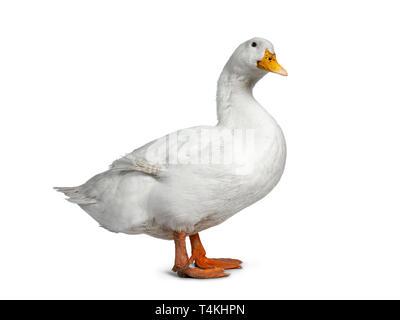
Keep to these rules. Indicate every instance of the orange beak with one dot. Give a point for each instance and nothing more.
(269, 63)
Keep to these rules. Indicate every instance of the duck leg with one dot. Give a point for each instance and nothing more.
(182, 262)
(199, 257)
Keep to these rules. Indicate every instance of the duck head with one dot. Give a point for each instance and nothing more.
(254, 59)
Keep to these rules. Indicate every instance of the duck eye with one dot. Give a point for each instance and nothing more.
(254, 44)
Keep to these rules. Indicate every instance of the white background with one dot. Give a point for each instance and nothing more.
(84, 82)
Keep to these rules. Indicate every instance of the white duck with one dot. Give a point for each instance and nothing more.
(178, 185)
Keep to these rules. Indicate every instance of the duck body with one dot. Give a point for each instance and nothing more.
(186, 197)
(195, 178)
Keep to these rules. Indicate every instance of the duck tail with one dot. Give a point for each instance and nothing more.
(75, 195)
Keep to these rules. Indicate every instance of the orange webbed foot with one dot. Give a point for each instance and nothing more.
(209, 273)
(201, 261)
(225, 263)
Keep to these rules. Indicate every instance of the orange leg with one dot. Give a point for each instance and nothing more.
(199, 256)
(182, 262)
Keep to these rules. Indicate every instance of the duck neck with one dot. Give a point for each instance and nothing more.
(236, 106)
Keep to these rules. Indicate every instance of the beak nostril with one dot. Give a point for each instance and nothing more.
(270, 64)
